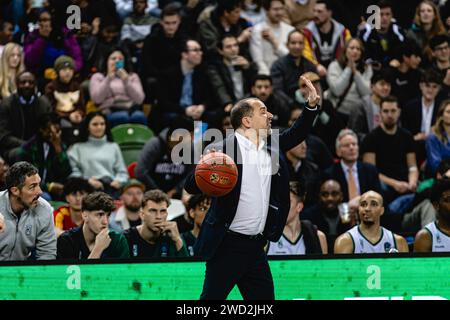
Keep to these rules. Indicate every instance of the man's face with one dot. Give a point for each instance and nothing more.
(132, 198)
(276, 11)
(386, 18)
(413, 61)
(442, 52)
(51, 128)
(232, 17)
(390, 112)
(295, 208)
(261, 120)
(154, 213)
(262, 89)
(381, 88)
(348, 149)
(230, 48)
(299, 151)
(444, 206)
(29, 194)
(321, 14)
(66, 74)
(26, 85)
(194, 53)
(74, 199)
(198, 214)
(330, 195)
(6, 35)
(429, 90)
(139, 6)
(304, 88)
(370, 208)
(96, 220)
(170, 25)
(296, 44)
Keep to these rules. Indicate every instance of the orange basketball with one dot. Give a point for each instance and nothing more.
(216, 174)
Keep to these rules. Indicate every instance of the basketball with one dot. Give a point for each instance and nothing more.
(216, 174)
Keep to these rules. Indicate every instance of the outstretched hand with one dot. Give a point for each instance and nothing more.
(313, 96)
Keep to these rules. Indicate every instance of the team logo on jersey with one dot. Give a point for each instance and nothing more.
(438, 238)
(361, 243)
(280, 244)
(28, 229)
(387, 246)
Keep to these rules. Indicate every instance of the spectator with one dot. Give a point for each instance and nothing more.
(381, 43)
(197, 207)
(299, 237)
(355, 177)
(231, 75)
(69, 216)
(155, 237)
(6, 34)
(125, 7)
(46, 151)
(276, 104)
(224, 19)
(369, 236)
(434, 237)
(269, 37)
(325, 38)
(441, 57)
(118, 91)
(437, 143)
(127, 215)
(184, 221)
(252, 11)
(427, 24)
(93, 239)
(349, 79)
(156, 168)
(391, 149)
(28, 220)
(299, 13)
(286, 71)
(11, 65)
(98, 159)
(18, 114)
(3, 169)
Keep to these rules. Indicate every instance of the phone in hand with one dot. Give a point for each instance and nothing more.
(120, 64)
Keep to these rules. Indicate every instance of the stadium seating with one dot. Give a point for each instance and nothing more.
(131, 138)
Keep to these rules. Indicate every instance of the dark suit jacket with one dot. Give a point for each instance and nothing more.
(223, 209)
(367, 177)
(412, 115)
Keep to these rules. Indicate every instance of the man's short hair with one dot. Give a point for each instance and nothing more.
(381, 75)
(407, 49)
(438, 189)
(196, 200)
(431, 76)
(171, 9)
(298, 190)
(438, 40)
(227, 5)
(326, 3)
(240, 110)
(181, 122)
(46, 119)
(223, 37)
(261, 77)
(266, 4)
(391, 99)
(97, 201)
(18, 173)
(185, 46)
(157, 196)
(384, 4)
(342, 134)
(76, 184)
(292, 32)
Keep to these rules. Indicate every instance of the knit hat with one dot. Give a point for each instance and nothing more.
(64, 62)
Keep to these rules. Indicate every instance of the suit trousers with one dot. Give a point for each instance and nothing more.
(239, 261)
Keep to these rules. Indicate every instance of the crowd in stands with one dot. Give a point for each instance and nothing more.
(377, 160)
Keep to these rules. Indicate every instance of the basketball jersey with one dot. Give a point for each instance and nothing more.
(285, 247)
(362, 245)
(440, 241)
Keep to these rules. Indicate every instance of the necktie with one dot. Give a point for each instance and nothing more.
(352, 189)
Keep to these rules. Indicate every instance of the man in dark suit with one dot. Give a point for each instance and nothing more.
(355, 177)
(238, 225)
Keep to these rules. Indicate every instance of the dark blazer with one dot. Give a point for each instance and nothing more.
(412, 115)
(367, 177)
(223, 210)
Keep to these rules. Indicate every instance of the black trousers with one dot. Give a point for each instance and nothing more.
(242, 262)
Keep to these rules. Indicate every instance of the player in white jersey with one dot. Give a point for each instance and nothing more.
(369, 236)
(299, 237)
(435, 237)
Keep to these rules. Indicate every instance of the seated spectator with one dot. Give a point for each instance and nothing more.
(355, 177)
(127, 215)
(391, 149)
(325, 38)
(252, 11)
(406, 77)
(155, 166)
(276, 104)
(118, 91)
(3, 169)
(427, 24)
(434, 237)
(11, 64)
(299, 13)
(35, 233)
(46, 151)
(6, 33)
(437, 143)
(155, 237)
(197, 207)
(269, 37)
(441, 57)
(98, 159)
(299, 237)
(369, 236)
(18, 114)
(349, 79)
(184, 221)
(69, 216)
(93, 239)
(381, 43)
(231, 74)
(326, 215)
(286, 71)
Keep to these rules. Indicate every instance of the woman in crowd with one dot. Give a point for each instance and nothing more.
(11, 63)
(437, 143)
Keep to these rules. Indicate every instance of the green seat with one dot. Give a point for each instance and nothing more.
(131, 134)
(130, 153)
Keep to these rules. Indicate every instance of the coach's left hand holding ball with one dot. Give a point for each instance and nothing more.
(313, 96)
(2, 223)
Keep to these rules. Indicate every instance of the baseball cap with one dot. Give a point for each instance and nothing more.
(133, 183)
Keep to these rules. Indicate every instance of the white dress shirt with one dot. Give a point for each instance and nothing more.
(427, 117)
(251, 213)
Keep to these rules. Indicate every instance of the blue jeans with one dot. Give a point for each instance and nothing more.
(120, 117)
